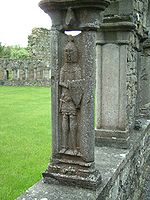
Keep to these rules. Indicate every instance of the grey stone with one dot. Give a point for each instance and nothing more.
(110, 114)
(24, 72)
(58, 191)
(120, 93)
(112, 93)
(85, 18)
(145, 74)
(123, 172)
(122, 76)
(73, 75)
(71, 150)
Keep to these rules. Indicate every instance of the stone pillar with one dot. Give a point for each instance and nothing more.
(1, 74)
(31, 74)
(38, 73)
(18, 74)
(73, 85)
(21, 74)
(26, 73)
(14, 74)
(43, 74)
(35, 73)
(5, 74)
(118, 55)
(116, 84)
(49, 74)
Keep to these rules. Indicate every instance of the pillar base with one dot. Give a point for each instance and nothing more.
(72, 175)
(112, 138)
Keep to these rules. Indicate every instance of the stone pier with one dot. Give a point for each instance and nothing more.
(119, 44)
(73, 85)
(111, 53)
(111, 76)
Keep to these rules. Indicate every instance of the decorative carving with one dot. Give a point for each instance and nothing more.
(73, 113)
(72, 90)
(70, 17)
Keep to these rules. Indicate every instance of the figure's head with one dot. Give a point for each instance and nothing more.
(71, 52)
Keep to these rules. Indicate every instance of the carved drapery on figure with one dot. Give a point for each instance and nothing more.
(71, 83)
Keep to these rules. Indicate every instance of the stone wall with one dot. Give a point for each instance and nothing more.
(140, 9)
(144, 81)
(39, 43)
(132, 87)
(28, 72)
(130, 176)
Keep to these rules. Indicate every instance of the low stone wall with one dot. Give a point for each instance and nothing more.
(129, 179)
(36, 83)
(28, 72)
(124, 173)
(146, 189)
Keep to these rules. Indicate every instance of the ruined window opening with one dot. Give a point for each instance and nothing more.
(9, 75)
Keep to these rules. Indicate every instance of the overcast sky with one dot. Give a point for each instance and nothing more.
(17, 18)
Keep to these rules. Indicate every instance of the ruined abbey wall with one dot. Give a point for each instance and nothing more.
(28, 72)
(32, 71)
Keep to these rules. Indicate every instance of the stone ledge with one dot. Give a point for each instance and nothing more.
(118, 26)
(120, 169)
(37, 83)
(104, 155)
(121, 139)
(48, 5)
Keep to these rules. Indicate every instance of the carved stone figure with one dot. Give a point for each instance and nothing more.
(72, 89)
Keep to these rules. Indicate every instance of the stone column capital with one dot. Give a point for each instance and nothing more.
(74, 14)
(49, 5)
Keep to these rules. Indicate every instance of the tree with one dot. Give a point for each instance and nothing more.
(19, 53)
(5, 52)
(13, 52)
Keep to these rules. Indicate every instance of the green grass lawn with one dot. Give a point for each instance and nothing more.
(25, 138)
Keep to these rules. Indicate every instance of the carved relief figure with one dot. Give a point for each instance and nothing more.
(72, 90)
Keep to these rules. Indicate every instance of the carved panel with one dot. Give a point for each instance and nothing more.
(71, 84)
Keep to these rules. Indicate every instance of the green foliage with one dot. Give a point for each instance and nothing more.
(24, 138)
(5, 52)
(19, 53)
(1, 48)
(13, 52)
